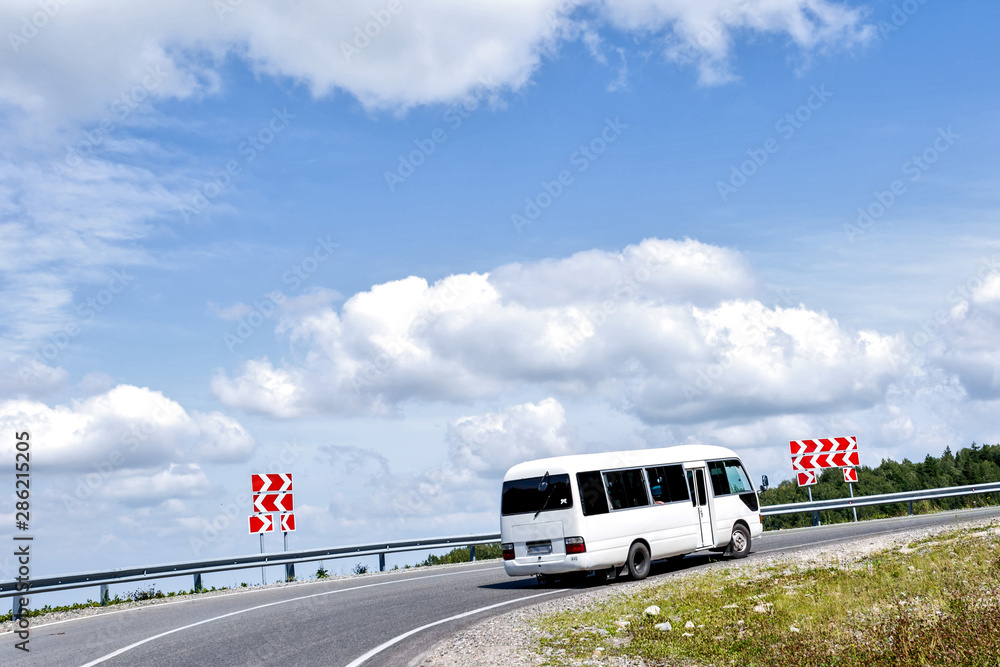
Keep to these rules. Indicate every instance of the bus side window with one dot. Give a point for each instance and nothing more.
(592, 496)
(658, 485)
(673, 477)
(626, 488)
(720, 483)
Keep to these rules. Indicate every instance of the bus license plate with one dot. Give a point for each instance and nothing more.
(539, 548)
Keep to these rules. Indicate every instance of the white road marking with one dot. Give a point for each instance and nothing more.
(157, 605)
(269, 604)
(395, 640)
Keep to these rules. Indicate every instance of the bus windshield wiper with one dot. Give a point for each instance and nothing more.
(542, 485)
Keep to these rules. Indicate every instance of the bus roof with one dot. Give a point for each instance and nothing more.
(611, 460)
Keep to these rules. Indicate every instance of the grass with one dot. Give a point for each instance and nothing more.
(932, 602)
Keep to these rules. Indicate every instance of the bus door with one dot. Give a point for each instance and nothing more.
(699, 498)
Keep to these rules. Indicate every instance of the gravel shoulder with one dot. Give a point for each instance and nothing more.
(511, 640)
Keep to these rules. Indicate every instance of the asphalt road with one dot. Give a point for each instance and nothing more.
(384, 620)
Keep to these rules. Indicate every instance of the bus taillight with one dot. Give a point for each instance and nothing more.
(508, 551)
(575, 545)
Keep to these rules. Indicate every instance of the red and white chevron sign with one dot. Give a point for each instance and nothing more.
(261, 523)
(823, 445)
(287, 522)
(850, 475)
(838, 460)
(271, 482)
(807, 478)
(272, 502)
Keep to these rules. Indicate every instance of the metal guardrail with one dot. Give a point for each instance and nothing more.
(198, 568)
(881, 499)
(380, 549)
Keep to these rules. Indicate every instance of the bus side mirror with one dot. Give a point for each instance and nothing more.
(763, 482)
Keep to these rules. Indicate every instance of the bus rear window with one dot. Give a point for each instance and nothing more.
(521, 496)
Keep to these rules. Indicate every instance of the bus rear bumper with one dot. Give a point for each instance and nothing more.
(521, 567)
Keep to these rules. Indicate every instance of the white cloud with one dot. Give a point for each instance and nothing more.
(125, 429)
(667, 330)
(490, 444)
(89, 54)
(702, 32)
(964, 340)
(170, 485)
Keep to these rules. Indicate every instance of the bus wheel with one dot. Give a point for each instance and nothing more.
(739, 545)
(638, 561)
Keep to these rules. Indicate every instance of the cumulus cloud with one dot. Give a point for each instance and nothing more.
(667, 330)
(127, 428)
(385, 54)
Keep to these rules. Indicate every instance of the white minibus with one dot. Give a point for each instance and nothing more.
(616, 512)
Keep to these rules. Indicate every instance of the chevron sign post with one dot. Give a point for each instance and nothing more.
(272, 502)
(270, 483)
(272, 493)
(823, 445)
(835, 460)
(810, 456)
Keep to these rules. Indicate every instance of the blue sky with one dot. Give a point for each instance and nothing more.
(227, 232)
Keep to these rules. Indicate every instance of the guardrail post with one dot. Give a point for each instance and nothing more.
(16, 609)
(105, 595)
(197, 582)
(381, 562)
(911, 508)
(472, 553)
(289, 571)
